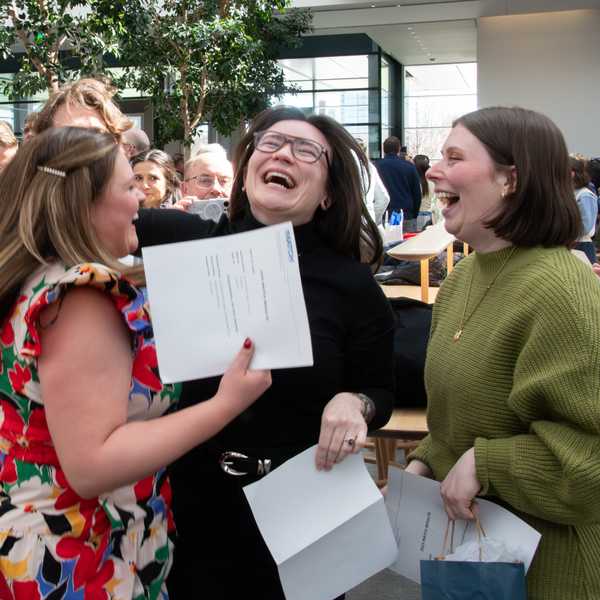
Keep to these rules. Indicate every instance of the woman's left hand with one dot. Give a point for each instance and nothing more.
(343, 430)
(460, 487)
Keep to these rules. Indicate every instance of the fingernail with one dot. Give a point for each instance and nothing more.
(247, 343)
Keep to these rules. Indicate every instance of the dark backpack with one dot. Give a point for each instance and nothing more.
(411, 335)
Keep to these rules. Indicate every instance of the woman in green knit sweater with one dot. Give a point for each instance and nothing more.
(513, 364)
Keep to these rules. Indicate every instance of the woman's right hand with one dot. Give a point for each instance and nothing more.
(418, 467)
(241, 386)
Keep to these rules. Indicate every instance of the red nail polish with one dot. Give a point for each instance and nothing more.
(247, 343)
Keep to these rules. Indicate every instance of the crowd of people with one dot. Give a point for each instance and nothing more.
(91, 440)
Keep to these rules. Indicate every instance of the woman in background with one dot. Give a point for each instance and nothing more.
(425, 217)
(587, 202)
(513, 362)
(156, 177)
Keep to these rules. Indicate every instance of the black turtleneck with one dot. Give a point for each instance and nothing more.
(351, 327)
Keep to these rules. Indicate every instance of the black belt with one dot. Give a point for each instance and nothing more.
(238, 464)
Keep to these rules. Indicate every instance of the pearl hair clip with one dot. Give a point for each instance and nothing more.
(52, 171)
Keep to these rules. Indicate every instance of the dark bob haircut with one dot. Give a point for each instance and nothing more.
(345, 226)
(542, 209)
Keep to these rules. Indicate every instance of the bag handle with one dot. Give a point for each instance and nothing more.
(450, 526)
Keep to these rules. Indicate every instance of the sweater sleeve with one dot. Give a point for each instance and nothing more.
(369, 358)
(553, 470)
(164, 226)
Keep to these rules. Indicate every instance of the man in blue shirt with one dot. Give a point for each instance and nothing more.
(400, 178)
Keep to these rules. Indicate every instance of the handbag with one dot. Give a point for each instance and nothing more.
(466, 580)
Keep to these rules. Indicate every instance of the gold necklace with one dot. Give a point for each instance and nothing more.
(463, 320)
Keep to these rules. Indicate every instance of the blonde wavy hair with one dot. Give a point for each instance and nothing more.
(46, 216)
(93, 94)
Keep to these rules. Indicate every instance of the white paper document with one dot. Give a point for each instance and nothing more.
(327, 530)
(419, 523)
(206, 296)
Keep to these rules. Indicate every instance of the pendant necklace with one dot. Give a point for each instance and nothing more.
(464, 319)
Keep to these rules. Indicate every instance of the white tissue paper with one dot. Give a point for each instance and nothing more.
(491, 551)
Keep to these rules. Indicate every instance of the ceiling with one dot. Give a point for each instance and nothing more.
(423, 31)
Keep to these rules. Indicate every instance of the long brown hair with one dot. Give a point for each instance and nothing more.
(165, 163)
(346, 225)
(542, 209)
(46, 216)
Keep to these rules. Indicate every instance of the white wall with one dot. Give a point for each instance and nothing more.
(548, 62)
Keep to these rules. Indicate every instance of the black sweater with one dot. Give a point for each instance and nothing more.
(351, 327)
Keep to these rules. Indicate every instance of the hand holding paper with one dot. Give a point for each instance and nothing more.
(240, 386)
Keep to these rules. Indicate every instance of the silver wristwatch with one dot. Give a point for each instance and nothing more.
(367, 408)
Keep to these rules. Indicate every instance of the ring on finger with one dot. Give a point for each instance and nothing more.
(351, 441)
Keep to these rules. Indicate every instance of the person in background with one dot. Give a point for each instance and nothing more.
(422, 165)
(513, 362)
(135, 141)
(401, 180)
(83, 103)
(298, 168)
(179, 162)
(587, 202)
(28, 126)
(156, 177)
(84, 438)
(376, 196)
(208, 174)
(8, 145)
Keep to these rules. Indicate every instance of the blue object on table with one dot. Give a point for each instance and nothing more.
(396, 217)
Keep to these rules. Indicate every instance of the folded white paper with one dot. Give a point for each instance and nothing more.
(206, 296)
(327, 530)
(419, 523)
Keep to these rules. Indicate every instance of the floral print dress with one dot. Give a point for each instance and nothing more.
(53, 544)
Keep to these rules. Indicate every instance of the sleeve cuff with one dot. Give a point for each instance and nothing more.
(492, 463)
(421, 452)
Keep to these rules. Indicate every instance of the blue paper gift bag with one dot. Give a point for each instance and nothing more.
(461, 580)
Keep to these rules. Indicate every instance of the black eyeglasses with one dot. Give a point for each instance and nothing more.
(305, 150)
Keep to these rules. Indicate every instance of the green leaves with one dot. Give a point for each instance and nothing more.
(211, 61)
(198, 60)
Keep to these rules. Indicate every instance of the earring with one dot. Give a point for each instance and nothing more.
(325, 203)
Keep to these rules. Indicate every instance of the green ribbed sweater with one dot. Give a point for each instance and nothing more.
(522, 385)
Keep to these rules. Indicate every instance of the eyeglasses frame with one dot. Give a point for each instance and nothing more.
(291, 139)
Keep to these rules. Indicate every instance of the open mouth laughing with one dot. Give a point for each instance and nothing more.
(279, 179)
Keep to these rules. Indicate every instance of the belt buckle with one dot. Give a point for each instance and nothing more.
(227, 464)
(263, 466)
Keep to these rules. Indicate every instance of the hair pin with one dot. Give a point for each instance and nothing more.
(52, 171)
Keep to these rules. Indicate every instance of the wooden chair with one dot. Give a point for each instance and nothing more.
(405, 429)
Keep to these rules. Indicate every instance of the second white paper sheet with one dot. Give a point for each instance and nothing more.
(206, 296)
(419, 523)
(327, 530)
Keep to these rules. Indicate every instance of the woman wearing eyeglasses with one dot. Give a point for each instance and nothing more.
(155, 176)
(289, 167)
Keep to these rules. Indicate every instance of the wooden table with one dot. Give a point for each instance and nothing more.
(406, 427)
(423, 247)
(409, 291)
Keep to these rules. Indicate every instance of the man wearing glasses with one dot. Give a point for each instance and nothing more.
(209, 174)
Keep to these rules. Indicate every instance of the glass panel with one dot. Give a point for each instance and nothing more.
(428, 141)
(436, 111)
(327, 72)
(434, 96)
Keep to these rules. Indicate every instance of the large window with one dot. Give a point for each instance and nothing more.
(345, 88)
(435, 95)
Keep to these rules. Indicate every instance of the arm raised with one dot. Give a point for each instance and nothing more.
(85, 377)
